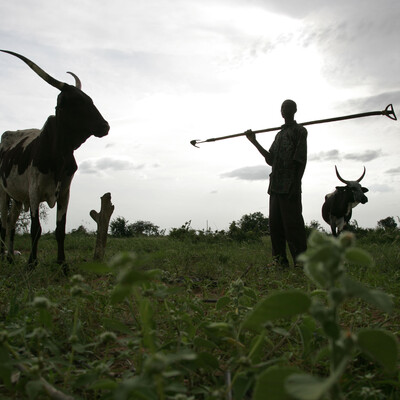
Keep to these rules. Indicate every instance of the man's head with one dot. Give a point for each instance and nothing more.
(288, 109)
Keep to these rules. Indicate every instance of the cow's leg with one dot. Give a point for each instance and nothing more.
(36, 231)
(333, 224)
(62, 206)
(4, 205)
(14, 214)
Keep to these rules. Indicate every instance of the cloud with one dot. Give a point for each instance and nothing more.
(374, 103)
(380, 188)
(95, 166)
(254, 173)
(325, 155)
(367, 155)
(335, 155)
(393, 171)
(357, 46)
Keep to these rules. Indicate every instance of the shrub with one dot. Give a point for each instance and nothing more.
(249, 227)
(145, 228)
(120, 228)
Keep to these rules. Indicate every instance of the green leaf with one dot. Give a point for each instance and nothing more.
(317, 238)
(358, 256)
(199, 343)
(5, 366)
(241, 385)
(285, 304)
(308, 387)
(135, 276)
(45, 318)
(380, 345)
(111, 324)
(255, 353)
(103, 384)
(207, 361)
(222, 302)
(97, 268)
(307, 329)
(317, 273)
(270, 384)
(33, 388)
(120, 293)
(372, 296)
(250, 293)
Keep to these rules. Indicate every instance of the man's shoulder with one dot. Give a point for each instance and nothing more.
(300, 129)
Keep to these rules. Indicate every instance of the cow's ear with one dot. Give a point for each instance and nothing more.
(365, 190)
(341, 187)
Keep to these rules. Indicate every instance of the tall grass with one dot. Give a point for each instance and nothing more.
(168, 323)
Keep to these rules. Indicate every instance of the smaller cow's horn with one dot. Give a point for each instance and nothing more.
(362, 176)
(346, 182)
(339, 177)
(78, 82)
(44, 75)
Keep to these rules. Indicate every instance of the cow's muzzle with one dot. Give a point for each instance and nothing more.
(102, 129)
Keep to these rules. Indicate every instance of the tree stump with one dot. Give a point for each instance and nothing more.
(102, 219)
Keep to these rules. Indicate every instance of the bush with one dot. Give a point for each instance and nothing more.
(184, 232)
(387, 223)
(120, 228)
(249, 227)
(145, 228)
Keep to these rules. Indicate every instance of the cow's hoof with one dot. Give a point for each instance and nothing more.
(64, 267)
(32, 265)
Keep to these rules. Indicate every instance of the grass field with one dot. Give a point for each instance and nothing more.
(181, 320)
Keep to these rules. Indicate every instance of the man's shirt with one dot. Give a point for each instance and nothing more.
(288, 150)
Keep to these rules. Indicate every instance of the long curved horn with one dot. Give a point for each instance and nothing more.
(362, 176)
(44, 75)
(339, 177)
(78, 82)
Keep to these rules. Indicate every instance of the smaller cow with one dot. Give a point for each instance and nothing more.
(338, 205)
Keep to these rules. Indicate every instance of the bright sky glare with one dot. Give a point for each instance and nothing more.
(165, 72)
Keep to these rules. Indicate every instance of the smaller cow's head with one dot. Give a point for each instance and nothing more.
(353, 188)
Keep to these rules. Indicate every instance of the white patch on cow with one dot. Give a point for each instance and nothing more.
(355, 204)
(10, 138)
(340, 224)
(31, 187)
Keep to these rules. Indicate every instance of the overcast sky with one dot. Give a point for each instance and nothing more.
(165, 72)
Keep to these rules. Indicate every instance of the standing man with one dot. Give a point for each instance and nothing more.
(287, 157)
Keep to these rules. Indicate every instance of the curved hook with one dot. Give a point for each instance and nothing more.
(389, 112)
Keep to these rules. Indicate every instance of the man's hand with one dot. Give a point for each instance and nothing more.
(251, 135)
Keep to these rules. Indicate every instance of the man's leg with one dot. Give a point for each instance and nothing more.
(293, 222)
(277, 230)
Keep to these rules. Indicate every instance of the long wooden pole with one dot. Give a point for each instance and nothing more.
(388, 112)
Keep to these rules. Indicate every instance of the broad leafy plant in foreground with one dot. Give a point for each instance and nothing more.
(151, 335)
(324, 263)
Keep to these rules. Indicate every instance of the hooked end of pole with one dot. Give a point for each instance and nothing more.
(194, 143)
(389, 112)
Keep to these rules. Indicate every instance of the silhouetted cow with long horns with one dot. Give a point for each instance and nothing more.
(337, 209)
(38, 165)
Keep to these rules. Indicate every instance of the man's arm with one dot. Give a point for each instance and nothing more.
(252, 138)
